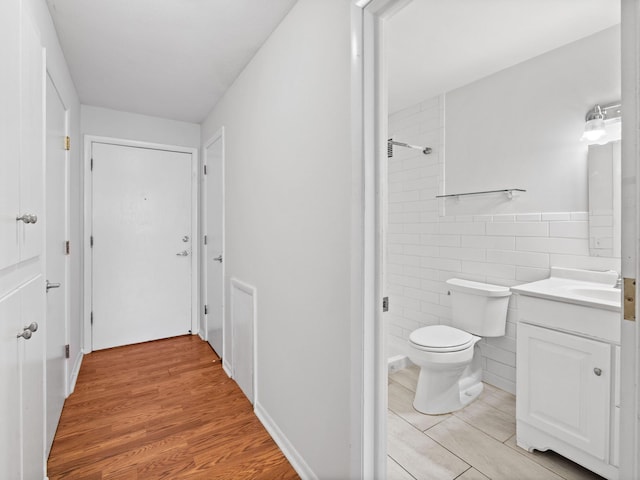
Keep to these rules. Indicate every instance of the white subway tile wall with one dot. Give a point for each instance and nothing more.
(425, 248)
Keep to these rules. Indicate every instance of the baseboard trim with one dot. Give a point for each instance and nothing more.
(227, 368)
(289, 451)
(74, 372)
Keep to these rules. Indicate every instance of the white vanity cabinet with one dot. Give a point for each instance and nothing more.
(566, 381)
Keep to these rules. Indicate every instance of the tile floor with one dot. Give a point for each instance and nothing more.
(475, 443)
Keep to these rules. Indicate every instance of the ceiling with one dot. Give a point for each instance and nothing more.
(166, 58)
(435, 46)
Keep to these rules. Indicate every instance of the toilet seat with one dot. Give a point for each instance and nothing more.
(441, 339)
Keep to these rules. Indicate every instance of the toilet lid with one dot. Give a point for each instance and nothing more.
(441, 338)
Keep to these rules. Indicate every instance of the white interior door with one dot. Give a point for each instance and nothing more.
(56, 260)
(141, 244)
(214, 247)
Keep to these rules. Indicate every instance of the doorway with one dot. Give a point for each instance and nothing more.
(375, 134)
(142, 227)
(57, 251)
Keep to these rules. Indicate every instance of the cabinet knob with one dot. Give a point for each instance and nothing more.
(597, 371)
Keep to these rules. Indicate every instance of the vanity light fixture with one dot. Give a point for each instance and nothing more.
(597, 119)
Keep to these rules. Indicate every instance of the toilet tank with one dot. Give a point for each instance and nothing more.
(478, 308)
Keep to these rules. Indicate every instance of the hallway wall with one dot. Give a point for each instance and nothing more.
(288, 185)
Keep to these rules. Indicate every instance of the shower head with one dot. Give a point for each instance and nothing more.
(391, 142)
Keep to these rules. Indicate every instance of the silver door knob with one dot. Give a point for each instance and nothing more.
(183, 253)
(33, 328)
(597, 371)
(27, 218)
(52, 285)
(185, 238)
(26, 334)
(218, 259)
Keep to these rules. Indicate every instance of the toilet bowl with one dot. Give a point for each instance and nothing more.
(450, 367)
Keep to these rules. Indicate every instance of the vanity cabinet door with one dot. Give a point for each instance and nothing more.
(563, 387)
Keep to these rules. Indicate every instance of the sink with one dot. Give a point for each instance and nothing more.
(575, 301)
(582, 287)
(608, 294)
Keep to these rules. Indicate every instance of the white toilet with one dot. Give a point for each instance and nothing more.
(450, 371)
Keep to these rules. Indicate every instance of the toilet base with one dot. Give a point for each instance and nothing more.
(450, 400)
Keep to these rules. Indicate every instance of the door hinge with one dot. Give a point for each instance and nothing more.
(67, 247)
(205, 239)
(91, 241)
(206, 310)
(92, 164)
(66, 351)
(91, 318)
(629, 296)
(205, 169)
(67, 143)
(385, 304)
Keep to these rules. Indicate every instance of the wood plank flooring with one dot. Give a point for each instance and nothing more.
(161, 410)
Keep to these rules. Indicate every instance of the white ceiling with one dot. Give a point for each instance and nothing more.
(435, 46)
(167, 58)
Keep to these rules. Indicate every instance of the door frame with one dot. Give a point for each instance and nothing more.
(88, 227)
(67, 227)
(219, 135)
(368, 126)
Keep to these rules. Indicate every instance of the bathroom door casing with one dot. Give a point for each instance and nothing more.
(56, 259)
(141, 253)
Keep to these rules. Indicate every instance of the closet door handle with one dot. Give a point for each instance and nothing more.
(183, 253)
(27, 218)
(33, 328)
(26, 334)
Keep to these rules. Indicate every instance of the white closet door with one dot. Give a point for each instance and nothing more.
(142, 244)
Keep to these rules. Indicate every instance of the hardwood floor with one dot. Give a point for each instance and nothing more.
(161, 410)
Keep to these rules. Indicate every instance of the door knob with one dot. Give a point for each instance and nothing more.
(52, 285)
(183, 253)
(185, 238)
(597, 371)
(218, 259)
(32, 328)
(27, 218)
(26, 334)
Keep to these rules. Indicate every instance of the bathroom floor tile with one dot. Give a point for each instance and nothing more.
(396, 472)
(472, 474)
(559, 464)
(421, 456)
(489, 456)
(490, 420)
(503, 401)
(401, 403)
(408, 377)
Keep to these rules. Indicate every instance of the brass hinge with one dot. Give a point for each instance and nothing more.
(205, 239)
(91, 241)
(205, 169)
(66, 351)
(67, 247)
(206, 310)
(630, 299)
(91, 318)
(67, 143)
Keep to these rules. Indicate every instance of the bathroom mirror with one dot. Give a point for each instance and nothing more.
(604, 199)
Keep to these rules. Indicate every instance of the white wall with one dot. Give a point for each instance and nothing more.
(59, 72)
(287, 127)
(132, 126)
(520, 128)
(426, 248)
